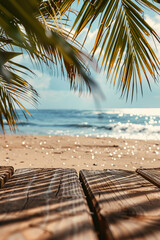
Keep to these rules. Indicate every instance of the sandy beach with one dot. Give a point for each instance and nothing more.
(32, 151)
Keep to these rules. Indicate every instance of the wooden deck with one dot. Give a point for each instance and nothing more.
(44, 204)
(127, 206)
(51, 204)
(151, 174)
(5, 174)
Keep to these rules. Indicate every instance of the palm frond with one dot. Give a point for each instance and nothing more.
(13, 89)
(122, 36)
(35, 28)
(25, 26)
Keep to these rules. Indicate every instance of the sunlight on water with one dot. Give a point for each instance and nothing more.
(133, 111)
(119, 123)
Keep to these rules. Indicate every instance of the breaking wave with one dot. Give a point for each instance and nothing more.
(119, 123)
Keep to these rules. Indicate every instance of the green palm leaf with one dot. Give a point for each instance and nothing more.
(13, 89)
(43, 41)
(123, 39)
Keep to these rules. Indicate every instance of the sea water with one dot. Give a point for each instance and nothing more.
(120, 123)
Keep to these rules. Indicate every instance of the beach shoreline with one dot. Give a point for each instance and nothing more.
(49, 151)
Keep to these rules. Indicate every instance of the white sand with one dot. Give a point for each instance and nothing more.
(27, 151)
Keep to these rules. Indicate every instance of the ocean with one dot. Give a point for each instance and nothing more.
(120, 123)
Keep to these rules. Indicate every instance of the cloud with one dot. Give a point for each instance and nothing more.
(154, 22)
(22, 59)
(64, 100)
(98, 52)
(40, 81)
(92, 36)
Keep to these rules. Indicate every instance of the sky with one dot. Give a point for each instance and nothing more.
(54, 90)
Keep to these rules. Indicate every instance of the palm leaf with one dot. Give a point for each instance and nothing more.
(13, 89)
(123, 38)
(40, 40)
(35, 27)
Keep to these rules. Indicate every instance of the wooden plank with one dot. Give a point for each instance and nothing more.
(127, 205)
(151, 174)
(45, 204)
(5, 173)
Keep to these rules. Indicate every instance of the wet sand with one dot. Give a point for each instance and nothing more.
(30, 151)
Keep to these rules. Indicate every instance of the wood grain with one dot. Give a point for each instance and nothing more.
(151, 174)
(44, 204)
(5, 173)
(127, 205)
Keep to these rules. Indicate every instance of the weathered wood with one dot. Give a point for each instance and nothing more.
(127, 205)
(151, 174)
(45, 204)
(5, 173)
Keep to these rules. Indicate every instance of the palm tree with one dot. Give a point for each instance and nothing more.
(36, 27)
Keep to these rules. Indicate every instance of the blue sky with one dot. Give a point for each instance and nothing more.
(55, 91)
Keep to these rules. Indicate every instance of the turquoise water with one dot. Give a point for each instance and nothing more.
(123, 123)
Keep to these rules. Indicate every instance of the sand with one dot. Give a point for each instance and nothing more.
(31, 151)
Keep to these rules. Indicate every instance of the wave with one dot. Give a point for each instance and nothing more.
(23, 123)
(114, 127)
(127, 123)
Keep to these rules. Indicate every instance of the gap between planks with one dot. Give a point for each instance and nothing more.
(151, 174)
(45, 204)
(127, 205)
